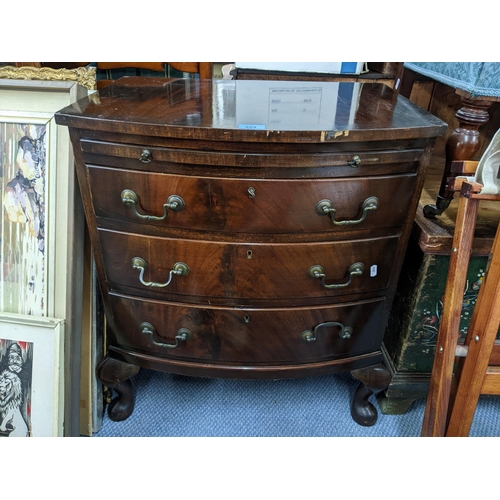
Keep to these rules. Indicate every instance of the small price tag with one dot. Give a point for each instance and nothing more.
(251, 126)
(373, 271)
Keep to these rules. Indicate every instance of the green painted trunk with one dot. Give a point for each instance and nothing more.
(411, 335)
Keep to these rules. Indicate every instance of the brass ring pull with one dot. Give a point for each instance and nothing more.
(179, 269)
(174, 203)
(325, 207)
(146, 156)
(310, 336)
(183, 334)
(318, 272)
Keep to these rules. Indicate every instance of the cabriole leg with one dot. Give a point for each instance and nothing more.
(115, 375)
(373, 380)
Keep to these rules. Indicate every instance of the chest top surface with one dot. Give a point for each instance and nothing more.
(252, 111)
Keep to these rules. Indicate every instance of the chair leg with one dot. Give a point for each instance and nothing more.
(407, 80)
(462, 144)
(483, 329)
(436, 409)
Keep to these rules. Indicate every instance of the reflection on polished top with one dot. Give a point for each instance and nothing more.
(251, 110)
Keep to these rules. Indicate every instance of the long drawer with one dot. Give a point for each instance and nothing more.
(291, 335)
(251, 205)
(265, 156)
(246, 270)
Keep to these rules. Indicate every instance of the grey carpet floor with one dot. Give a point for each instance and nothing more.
(174, 406)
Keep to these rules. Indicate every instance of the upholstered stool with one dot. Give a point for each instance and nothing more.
(478, 85)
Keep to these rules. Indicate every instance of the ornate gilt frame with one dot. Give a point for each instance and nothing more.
(84, 76)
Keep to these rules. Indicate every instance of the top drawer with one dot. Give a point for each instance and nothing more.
(348, 162)
(251, 205)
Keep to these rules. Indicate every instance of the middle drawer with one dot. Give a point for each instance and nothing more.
(246, 270)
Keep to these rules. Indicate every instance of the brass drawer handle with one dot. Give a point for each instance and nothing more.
(146, 156)
(139, 264)
(310, 336)
(318, 272)
(183, 334)
(325, 207)
(174, 202)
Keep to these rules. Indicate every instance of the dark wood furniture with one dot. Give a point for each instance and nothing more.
(231, 244)
(388, 73)
(203, 69)
(463, 144)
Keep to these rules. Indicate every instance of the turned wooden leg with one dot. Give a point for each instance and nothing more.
(374, 379)
(462, 144)
(115, 374)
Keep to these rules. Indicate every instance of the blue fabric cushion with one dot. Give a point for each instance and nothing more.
(480, 79)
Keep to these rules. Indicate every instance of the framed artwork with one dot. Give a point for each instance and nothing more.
(38, 198)
(85, 76)
(42, 228)
(25, 207)
(31, 385)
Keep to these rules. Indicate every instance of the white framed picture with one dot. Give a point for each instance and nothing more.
(31, 382)
(38, 198)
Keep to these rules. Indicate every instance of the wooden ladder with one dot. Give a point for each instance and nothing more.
(452, 398)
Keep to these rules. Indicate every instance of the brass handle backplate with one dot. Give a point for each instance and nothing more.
(317, 271)
(139, 264)
(310, 336)
(174, 203)
(183, 334)
(325, 207)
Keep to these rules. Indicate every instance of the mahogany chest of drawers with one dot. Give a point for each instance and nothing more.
(248, 229)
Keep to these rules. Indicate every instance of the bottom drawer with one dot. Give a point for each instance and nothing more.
(230, 335)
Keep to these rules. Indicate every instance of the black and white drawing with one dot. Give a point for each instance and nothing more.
(16, 368)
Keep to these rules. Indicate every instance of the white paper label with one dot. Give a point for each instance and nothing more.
(373, 271)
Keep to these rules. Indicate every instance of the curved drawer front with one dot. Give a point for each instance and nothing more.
(246, 270)
(261, 156)
(246, 335)
(250, 205)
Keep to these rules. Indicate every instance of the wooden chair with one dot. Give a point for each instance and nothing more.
(204, 69)
(452, 399)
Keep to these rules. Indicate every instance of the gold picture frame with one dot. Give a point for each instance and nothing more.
(85, 76)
